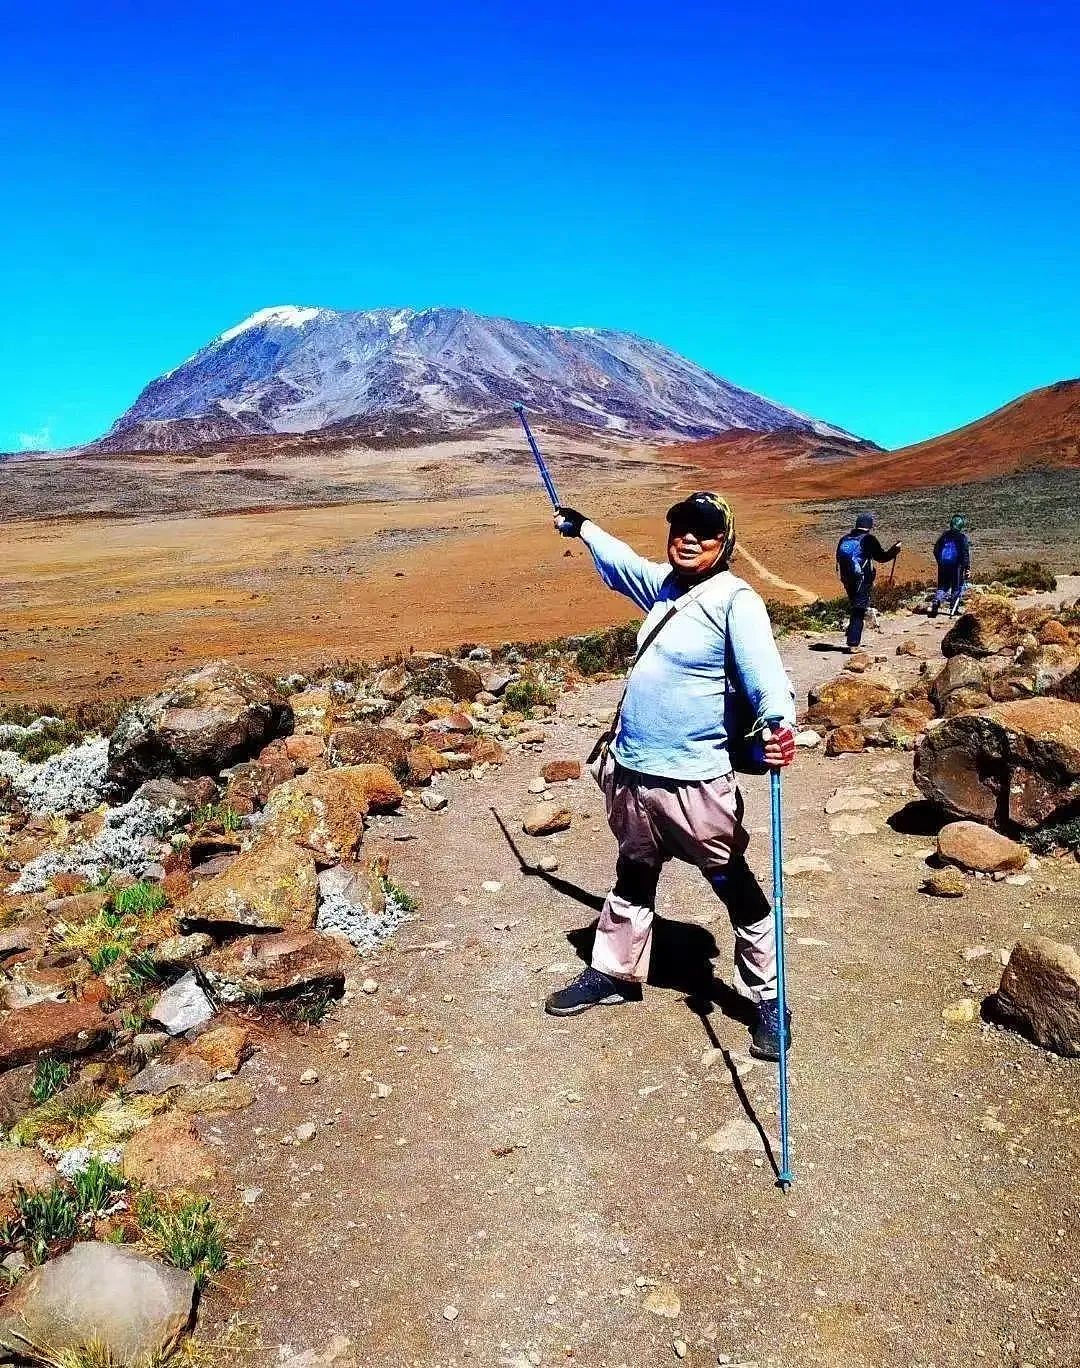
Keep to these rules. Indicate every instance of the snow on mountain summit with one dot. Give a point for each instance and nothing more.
(296, 368)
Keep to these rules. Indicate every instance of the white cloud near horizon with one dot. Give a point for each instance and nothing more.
(35, 441)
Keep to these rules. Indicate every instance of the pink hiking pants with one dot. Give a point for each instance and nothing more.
(655, 820)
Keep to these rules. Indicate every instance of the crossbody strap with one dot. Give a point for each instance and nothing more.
(691, 596)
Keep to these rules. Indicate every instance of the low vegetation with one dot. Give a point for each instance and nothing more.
(50, 1075)
(1060, 836)
(526, 694)
(181, 1229)
(218, 817)
(184, 1231)
(1026, 574)
(607, 652)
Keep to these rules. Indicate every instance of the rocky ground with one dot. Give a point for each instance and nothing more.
(438, 1174)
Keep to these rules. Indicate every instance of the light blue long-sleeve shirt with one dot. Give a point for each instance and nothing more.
(672, 722)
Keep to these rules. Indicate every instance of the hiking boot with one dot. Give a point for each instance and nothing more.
(934, 610)
(765, 1037)
(591, 989)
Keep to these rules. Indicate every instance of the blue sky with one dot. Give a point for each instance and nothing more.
(869, 212)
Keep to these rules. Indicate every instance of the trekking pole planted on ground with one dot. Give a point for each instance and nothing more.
(549, 483)
(785, 1176)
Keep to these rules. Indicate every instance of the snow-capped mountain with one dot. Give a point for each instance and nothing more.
(290, 369)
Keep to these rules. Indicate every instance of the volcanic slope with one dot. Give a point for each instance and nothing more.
(289, 369)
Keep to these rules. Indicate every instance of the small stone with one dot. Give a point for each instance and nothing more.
(309, 1076)
(852, 824)
(369, 986)
(251, 1195)
(305, 1132)
(450, 1313)
(807, 864)
(663, 1300)
(435, 800)
(561, 771)
(970, 953)
(961, 1013)
(1018, 880)
(737, 1136)
(946, 883)
(974, 846)
(537, 786)
(544, 819)
(548, 863)
(182, 1006)
(491, 886)
(679, 1345)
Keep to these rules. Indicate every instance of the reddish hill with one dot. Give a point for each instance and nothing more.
(1039, 429)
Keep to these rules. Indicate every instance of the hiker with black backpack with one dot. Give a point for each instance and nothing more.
(707, 672)
(856, 554)
(952, 551)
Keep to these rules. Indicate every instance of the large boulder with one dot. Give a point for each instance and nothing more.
(24, 1167)
(971, 845)
(959, 672)
(324, 810)
(268, 887)
(198, 724)
(131, 1309)
(361, 743)
(1040, 992)
(258, 967)
(1010, 765)
(852, 697)
(987, 627)
(168, 1154)
(54, 1028)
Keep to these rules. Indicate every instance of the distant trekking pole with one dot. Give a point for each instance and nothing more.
(785, 1176)
(549, 483)
(892, 568)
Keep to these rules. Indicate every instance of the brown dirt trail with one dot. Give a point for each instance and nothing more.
(491, 1186)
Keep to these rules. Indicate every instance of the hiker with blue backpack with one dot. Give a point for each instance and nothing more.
(858, 554)
(952, 551)
(707, 673)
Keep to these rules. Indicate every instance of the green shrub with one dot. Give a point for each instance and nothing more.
(105, 956)
(608, 652)
(1028, 574)
(1061, 836)
(524, 695)
(41, 745)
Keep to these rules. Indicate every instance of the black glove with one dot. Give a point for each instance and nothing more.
(570, 521)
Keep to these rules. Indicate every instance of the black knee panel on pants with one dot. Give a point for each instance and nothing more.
(636, 882)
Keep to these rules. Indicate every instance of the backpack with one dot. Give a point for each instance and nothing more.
(949, 553)
(850, 558)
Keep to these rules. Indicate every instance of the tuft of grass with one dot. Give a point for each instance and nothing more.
(61, 1121)
(1026, 574)
(97, 1187)
(105, 956)
(308, 1008)
(50, 1075)
(184, 1231)
(141, 969)
(218, 817)
(40, 1219)
(394, 892)
(50, 740)
(142, 899)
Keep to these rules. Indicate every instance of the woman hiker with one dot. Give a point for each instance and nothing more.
(667, 776)
(952, 551)
(856, 553)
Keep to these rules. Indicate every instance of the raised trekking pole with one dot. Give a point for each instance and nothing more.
(785, 1176)
(549, 483)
